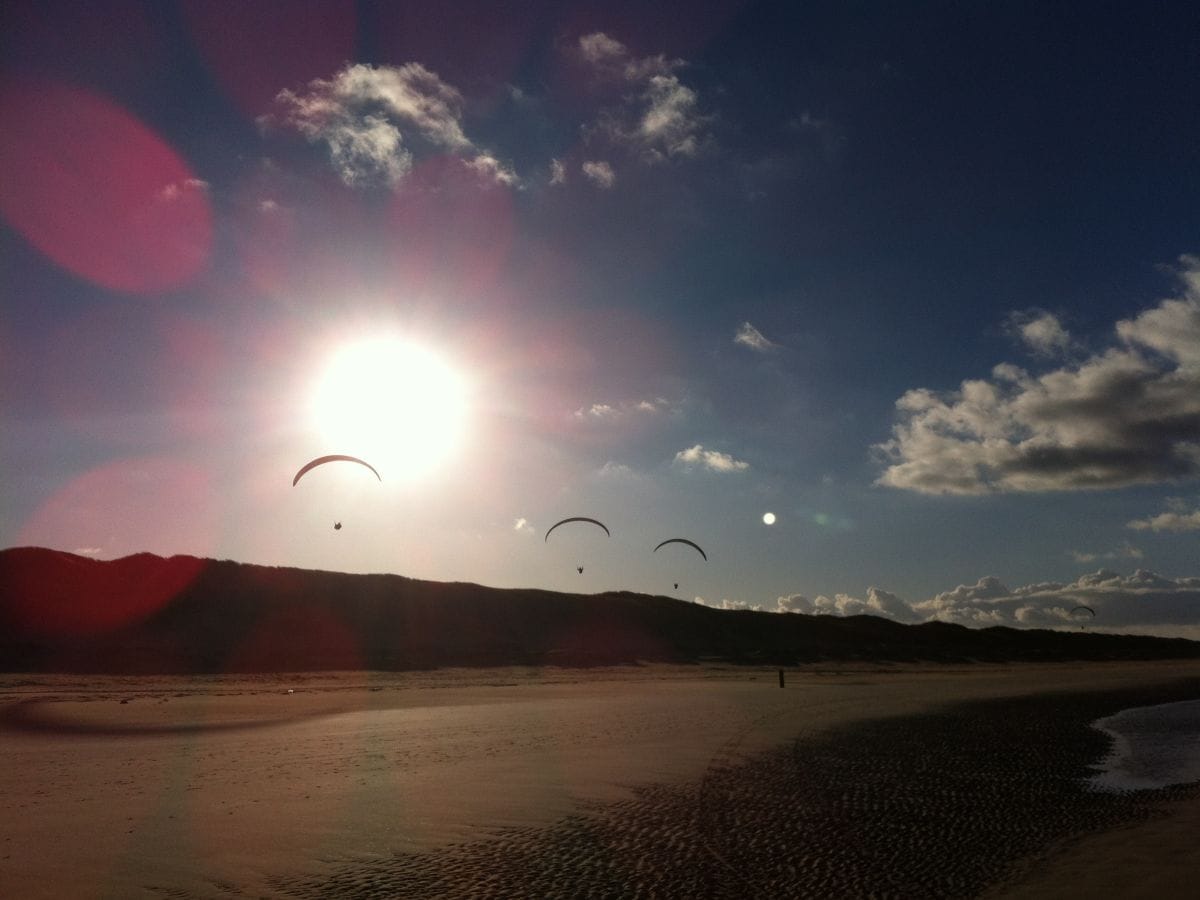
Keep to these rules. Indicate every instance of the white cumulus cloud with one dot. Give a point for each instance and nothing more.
(1172, 520)
(878, 603)
(1127, 415)
(713, 460)
(1143, 601)
(1040, 332)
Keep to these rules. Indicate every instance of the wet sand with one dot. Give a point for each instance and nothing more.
(644, 781)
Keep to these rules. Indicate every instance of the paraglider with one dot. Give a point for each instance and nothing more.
(1082, 615)
(577, 519)
(334, 457)
(578, 569)
(691, 544)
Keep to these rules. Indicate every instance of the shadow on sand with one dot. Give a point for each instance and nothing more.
(41, 717)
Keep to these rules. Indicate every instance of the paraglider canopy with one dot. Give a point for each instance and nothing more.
(334, 457)
(577, 519)
(683, 541)
(1080, 612)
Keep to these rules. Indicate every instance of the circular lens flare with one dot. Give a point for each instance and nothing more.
(768, 518)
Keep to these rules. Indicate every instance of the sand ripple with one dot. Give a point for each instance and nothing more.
(937, 805)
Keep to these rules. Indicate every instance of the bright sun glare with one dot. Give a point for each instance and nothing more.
(395, 403)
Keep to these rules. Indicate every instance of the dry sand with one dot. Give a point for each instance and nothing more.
(640, 781)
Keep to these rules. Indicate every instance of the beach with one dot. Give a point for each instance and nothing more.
(904, 780)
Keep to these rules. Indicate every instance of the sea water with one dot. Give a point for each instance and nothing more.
(1153, 747)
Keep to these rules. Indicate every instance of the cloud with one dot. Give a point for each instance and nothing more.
(669, 125)
(713, 460)
(600, 173)
(1141, 601)
(558, 172)
(615, 412)
(658, 114)
(1125, 551)
(521, 525)
(878, 603)
(749, 336)
(1178, 518)
(617, 471)
(88, 551)
(601, 411)
(1128, 415)
(601, 50)
(371, 118)
(494, 170)
(826, 132)
(176, 189)
(1040, 332)
(609, 58)
(725, 603)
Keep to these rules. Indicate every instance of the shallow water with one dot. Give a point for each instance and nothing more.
(1153, 747)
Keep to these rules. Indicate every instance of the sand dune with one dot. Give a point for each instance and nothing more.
(627, 782)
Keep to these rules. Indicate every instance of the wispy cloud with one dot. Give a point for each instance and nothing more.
(88, 551)
(825, 131)
(491, 168)
(372, 117)
(1129, 415)
(558, 171)
(749, 336)
(617, 411)
(614, 471)
(521, 526)
(600, 173)
(175, 190)
(1125, 551)
(713, 460)
(658, 115)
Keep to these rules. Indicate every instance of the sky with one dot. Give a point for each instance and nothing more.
(921, 280)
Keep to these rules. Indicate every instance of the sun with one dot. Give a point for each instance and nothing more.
(395, 402)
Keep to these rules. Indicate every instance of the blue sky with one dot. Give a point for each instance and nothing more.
(920, 279)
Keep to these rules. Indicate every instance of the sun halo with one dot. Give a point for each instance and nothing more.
(393, 401)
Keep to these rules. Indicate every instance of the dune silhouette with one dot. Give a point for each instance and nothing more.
(207, 616)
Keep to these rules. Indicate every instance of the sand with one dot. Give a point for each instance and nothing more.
(642, 781)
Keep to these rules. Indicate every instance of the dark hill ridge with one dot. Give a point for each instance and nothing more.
(146, 614)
